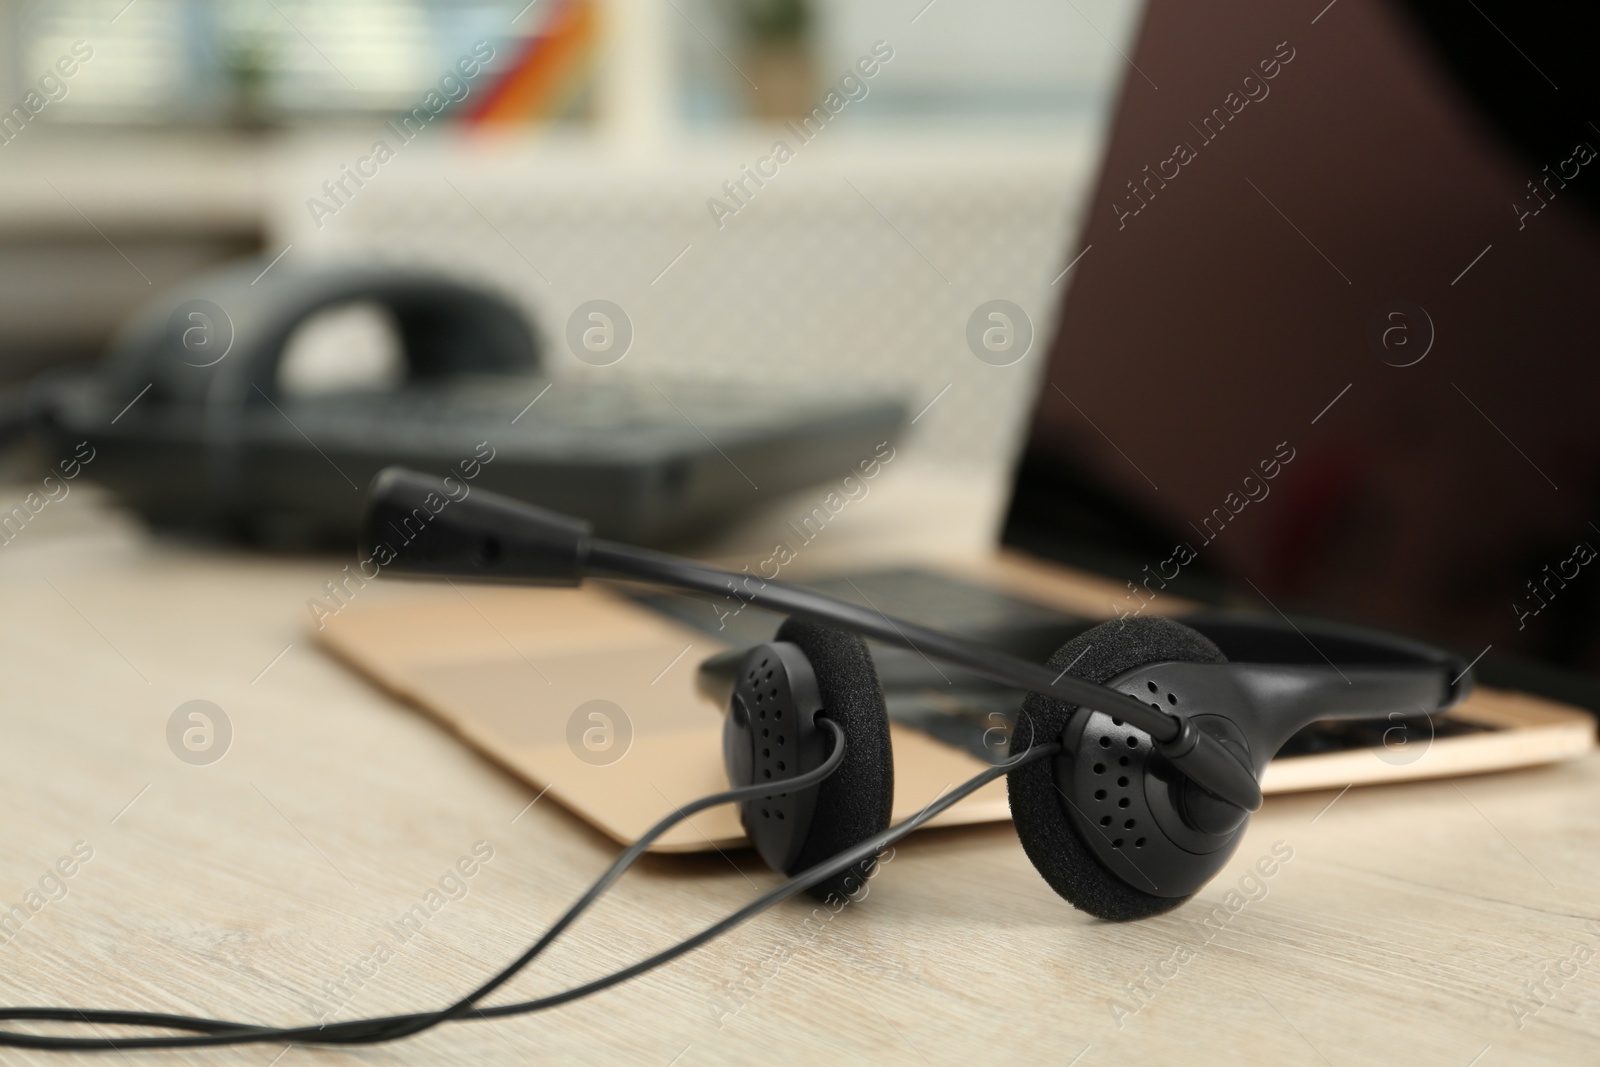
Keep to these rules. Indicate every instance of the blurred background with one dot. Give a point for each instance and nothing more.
(991, 155)
(200, 129)
(579, 162)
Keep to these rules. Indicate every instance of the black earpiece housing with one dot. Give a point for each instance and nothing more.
(1142, 820)
(1109, 823)
(1115, 826)
(771, 735)
(808, 672)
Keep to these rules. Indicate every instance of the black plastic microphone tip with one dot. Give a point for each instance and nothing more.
(444, 526)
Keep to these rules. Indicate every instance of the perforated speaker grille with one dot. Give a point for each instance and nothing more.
(770, 738)
(772, 721)
(1115, 783)
(1122, 794)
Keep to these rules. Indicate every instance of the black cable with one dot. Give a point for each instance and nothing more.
(798, 884)
(213, 1032)
(357, 1027)
(625, 561)
(732, 796)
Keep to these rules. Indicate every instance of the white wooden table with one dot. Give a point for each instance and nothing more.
(1448, 923)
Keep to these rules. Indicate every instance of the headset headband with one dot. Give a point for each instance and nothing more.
(421, 524)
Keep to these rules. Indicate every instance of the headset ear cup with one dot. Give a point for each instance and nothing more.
(1049, 836)
(856, 801)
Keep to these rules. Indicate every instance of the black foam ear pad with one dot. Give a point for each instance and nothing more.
(1048, 835)
(855, 801)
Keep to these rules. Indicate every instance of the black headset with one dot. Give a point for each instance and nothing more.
(1133, 769)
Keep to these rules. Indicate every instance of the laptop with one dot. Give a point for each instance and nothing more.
(591, 695)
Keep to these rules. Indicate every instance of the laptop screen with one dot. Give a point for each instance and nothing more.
(1311, 358)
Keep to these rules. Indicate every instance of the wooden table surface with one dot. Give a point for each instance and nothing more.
(1447, 923)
